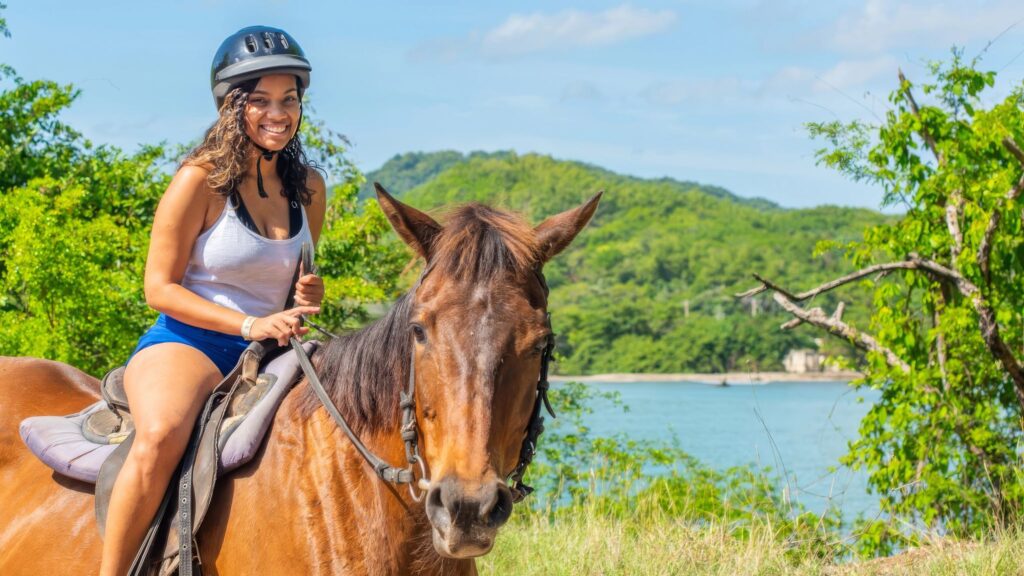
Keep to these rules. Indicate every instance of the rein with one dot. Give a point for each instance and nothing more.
(407, 403)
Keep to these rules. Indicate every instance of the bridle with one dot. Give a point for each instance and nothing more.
(407, 403)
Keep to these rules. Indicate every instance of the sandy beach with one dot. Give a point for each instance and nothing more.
(725, 377)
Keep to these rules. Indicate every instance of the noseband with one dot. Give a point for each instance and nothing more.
(409, 428)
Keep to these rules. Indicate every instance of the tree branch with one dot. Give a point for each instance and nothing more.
(953, 211)
(940, 345)
(955, 208)
(833, 325)
(925, 135)
(986, 316)
(986, 320)
(769, 285)
(985, 248)
(1010, 144)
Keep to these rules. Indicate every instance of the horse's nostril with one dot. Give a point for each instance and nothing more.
(438, 513)
(496, 507)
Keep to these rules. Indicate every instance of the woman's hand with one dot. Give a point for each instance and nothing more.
(283, 325)
(309, 290)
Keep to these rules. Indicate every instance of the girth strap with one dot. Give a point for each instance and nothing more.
(185, 536)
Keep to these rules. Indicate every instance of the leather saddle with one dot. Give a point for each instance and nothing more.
(169, 545)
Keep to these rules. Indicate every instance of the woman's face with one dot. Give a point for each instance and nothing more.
(273, 111)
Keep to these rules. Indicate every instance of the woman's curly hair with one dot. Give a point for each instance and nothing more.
(227, 149)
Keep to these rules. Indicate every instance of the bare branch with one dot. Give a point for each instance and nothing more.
(880, 268)
(791, 324)
(753, 291)
(841, 329)
(838, 314)
(986, 316)
(953, 212)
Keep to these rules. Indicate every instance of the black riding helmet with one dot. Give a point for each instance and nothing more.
(250, 53)
(253, 52)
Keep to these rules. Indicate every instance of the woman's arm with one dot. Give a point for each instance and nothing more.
(178, 222)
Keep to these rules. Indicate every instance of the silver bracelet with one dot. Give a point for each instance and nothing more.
(247, 327)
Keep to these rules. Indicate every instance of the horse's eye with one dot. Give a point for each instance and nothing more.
(541, 344)
(418, 333)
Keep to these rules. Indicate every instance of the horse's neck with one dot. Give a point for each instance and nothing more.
(337, 508)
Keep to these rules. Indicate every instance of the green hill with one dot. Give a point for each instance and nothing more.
(403, 172)
(649, 286)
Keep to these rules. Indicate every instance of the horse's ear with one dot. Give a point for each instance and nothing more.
(558, 231)
(416, 228)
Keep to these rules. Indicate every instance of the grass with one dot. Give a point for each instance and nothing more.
(581, 541)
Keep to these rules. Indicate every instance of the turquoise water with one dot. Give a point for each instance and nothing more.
(799, 429)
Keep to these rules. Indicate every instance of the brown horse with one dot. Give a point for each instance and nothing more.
(474, 331)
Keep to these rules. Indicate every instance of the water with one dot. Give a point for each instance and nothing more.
(799, 429)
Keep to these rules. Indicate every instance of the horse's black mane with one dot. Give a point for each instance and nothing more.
(363, 372)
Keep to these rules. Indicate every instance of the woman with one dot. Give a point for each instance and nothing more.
(225, 244)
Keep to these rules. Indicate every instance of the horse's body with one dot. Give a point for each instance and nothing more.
(309, 503)
(46, 522)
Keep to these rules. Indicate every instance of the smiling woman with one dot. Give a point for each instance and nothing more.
(221, 259)
(273, 111)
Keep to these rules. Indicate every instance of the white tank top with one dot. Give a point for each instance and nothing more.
(237, 268)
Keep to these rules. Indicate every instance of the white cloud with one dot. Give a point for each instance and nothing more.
(539, 32)
(882, 25)
(522, 34)
(859, 73)
(845, 80)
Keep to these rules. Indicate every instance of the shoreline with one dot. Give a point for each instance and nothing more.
(729, 378)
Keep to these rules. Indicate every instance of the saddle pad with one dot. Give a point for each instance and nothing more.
(58, 440)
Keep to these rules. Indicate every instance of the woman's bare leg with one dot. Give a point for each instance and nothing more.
(167, 385)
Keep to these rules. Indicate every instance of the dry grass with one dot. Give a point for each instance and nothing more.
(589, 544)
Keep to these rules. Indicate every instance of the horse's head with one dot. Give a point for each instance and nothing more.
(479, 322)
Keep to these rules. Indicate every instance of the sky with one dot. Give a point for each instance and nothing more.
(713, 92)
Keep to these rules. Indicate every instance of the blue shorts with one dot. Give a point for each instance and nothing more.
(223, 349)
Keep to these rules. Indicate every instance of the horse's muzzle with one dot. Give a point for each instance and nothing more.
(465, 524)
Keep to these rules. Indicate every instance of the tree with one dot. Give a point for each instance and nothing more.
(943, 444)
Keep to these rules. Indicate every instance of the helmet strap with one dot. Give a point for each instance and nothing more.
(264, 155)
(267, 155)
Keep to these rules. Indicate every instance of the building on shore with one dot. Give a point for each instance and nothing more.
(805, 360)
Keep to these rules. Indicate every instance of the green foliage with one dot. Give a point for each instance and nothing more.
(943, 444)
(74, 233)
(403, 172)
(358, 260)
(649, 285)
(33, 140)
